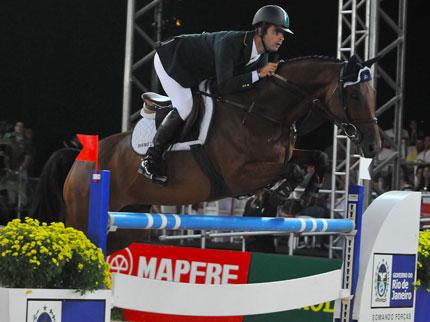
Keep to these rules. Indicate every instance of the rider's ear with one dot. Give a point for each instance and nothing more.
(260, 31)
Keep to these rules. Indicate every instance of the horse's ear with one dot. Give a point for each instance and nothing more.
(370, 62)
(351, 65)
(353, 60)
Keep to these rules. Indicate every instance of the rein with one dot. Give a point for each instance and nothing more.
(250, 110)
(349, 127)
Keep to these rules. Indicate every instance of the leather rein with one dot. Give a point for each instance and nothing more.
(349, 127)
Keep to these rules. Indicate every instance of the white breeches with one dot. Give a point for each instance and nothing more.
(181, 97)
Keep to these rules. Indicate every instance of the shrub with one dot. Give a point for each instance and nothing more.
(34, 255)
(423, 268)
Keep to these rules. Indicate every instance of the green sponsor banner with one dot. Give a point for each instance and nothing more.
(269, 268)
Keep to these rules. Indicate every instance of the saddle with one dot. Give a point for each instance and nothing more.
(193, 136)
(156, 106)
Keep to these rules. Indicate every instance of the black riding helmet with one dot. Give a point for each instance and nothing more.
(274, 15)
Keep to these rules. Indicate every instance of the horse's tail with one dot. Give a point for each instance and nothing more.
(48, 203)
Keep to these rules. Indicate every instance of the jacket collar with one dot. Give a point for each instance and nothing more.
(247, 41)
(248, 38)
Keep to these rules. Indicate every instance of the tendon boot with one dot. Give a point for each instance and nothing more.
(151, 164)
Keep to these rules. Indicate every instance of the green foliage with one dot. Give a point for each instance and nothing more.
(423, 268)
(34, 255)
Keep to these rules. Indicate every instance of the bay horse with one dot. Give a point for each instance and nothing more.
(251, 140)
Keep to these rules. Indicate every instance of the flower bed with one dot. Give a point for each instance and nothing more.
(423, 266)
(35, 255)
(423, 278)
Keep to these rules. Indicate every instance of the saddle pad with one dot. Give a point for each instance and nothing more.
(144, 130)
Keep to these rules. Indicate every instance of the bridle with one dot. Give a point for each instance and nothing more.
(348, 126)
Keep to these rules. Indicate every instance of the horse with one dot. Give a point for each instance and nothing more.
(48, 196)
(250, 143)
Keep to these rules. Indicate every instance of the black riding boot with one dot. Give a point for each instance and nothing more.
(150, 166)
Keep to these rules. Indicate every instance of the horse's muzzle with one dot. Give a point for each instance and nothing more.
(370, 147)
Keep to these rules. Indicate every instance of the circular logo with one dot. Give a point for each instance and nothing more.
(45, 314)
(382, 279)
(122, 262)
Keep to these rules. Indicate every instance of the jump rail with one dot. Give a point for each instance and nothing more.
(131, 220)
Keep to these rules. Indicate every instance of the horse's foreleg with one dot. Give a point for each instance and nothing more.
(317, 158)
(292, 174)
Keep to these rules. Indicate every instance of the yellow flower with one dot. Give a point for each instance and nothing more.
(31, 245)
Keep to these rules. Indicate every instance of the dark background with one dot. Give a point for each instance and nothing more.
(61, 67)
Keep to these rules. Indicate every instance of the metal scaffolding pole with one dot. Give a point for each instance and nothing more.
(392, 16)
(359, 33)
(354, 19)
(131, 65)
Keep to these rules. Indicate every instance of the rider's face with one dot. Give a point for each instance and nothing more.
(273, 38)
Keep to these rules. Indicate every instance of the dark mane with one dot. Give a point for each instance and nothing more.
(313, 57)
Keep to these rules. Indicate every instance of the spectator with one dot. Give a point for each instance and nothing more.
(4, 128)
(417, 176)
(414, 150)
(413, 132)
(19, 153)
(385, 173)
(18, 156)
(316, 206)
(406, 178)
(424, 156)
(260, 205)
(390, 133)
(423, 182)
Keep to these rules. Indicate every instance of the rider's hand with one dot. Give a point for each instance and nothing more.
(267, 70)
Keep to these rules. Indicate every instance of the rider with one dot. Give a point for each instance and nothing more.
(237, 59)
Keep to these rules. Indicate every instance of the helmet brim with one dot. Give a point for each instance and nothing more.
(286, 30)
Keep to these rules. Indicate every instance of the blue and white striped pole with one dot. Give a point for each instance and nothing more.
(98, 215)
(129, 220)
